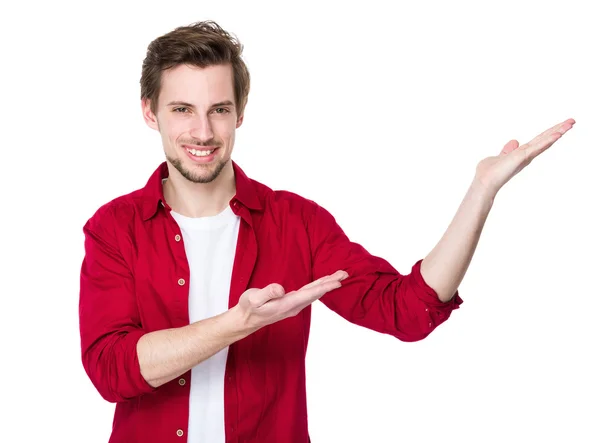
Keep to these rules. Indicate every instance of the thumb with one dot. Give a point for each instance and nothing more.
(509, 147)
(270, 292)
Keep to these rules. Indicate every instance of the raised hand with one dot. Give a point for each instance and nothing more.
(494, 172)
(261, 307)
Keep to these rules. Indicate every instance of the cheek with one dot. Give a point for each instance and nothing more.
(169, 138)
(175, 131)
(226, 132)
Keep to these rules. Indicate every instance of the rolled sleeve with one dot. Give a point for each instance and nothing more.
(429, 296)
(426, 298)
(109, 320)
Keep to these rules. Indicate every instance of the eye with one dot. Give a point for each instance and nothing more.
(181, 109)
(221, 110)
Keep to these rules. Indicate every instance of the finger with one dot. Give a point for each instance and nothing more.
(560, 128)
(262, 296)
(338, 275)
(509, 147)
(534, 149)
(304, 297)
(546, 139)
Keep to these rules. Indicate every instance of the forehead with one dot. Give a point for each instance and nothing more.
(200, 86)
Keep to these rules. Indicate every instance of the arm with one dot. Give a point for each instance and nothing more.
(120, 357)
(166, 354)
(375, 295)
(446, 265)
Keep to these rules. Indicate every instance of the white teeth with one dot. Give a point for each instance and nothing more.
(198, 153)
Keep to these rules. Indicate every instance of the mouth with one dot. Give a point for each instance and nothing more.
(201, 154)
(201, 151)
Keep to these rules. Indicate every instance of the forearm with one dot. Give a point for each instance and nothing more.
(166, 354)
(446, 265)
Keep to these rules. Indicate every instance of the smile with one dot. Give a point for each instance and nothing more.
(199, 152)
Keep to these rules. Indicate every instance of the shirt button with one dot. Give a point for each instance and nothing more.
(182, 381)
(181, 282)
(426, 309)
(430, 324)
(177, 237)
(179, 433)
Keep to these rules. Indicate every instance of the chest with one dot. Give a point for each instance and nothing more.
(173, 267)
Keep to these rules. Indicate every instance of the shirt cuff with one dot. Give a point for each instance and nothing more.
(135, 380)
(428, 295)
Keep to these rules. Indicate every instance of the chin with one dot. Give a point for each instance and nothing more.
(199, 173)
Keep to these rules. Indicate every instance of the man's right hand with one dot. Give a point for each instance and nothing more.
(262, 307)
(166, 354)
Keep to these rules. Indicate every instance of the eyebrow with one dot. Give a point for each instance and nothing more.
(189, 105)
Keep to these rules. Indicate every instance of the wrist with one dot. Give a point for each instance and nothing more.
(238, 322)
(482, 194)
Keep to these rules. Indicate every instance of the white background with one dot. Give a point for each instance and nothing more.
(380, 112)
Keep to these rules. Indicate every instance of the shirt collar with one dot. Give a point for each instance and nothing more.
(153, 195)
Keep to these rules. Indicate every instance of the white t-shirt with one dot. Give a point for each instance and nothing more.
(210, 244)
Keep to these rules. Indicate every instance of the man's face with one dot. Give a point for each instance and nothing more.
(197, 119)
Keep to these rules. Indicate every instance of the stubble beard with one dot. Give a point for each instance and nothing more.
(202, 174)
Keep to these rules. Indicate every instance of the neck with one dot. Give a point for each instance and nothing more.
(199, 199)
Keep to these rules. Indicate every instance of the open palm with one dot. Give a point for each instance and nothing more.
(494, 172)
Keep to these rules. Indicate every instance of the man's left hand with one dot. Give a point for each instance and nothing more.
(494, 172)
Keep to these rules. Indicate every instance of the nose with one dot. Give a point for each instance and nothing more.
(202, 129)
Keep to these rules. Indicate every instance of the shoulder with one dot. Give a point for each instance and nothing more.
(117, 214)
(284, 202)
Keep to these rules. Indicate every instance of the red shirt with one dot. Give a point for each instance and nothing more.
(134, 280)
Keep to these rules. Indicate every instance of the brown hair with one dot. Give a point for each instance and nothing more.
(200, 44)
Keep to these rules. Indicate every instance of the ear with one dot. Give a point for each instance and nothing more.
(239, 122)
(149, 116)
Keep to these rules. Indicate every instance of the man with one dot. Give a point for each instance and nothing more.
(196, 289)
